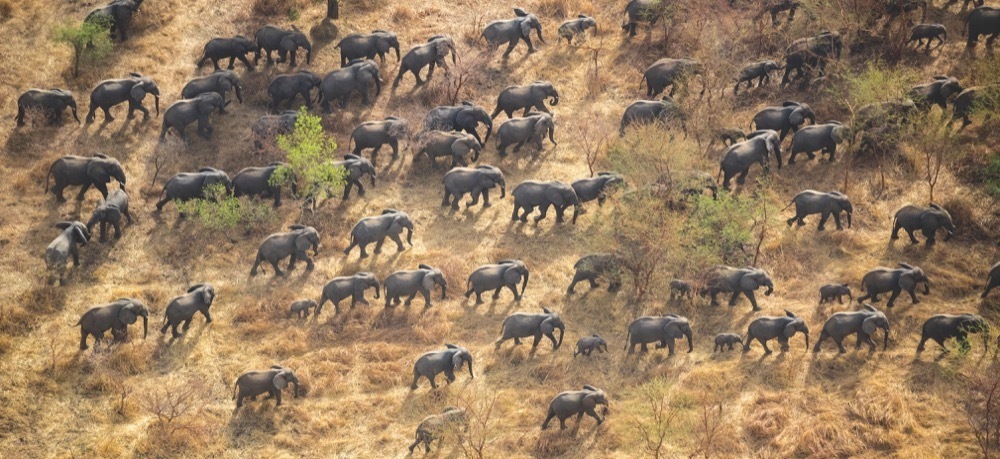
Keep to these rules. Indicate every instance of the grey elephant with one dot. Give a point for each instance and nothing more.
(937, 92)
(598, 187)
(454, 144)
(432, 54)
(261, 182)
(367, 46)
(531, 193)
(73, 235)
(186, 186)
(927, 219)
(984, 20)
(284, 88)
(636, 11)
(761, 71)
(96, 171)
(133, 90)
(511, 31)
(942, 327)
(518, 131)
(811, 52)
(728, 136)
(864, 323)
(181, 309)
(48, 103)
(776, 7)
(375, 134)
(505, 273)
(220, 82)
(410, 282)
(434, 427)
(575, 28)
(269, 127)
(821, 137)
(376, 228)
(477, 182)
(790, 116)
(358, 76)
(285, 42)
(757, 149)
(662, 330)
(110, 212)
(764, 329)
(354, 287)
(680, 289)
(882, 280)
(116, 16)
(234, 48)
(971, 101)
(357, 168)
(830, 292)
(726, 339)
(570, 403)
(811, 202)
(523, 325)
(594, 266)
(929, 32)
(727, 279)
(589, 344)
(526, 97)
(292, 244)
(271, 382)
(644, 112)
(466, 116)
(673, 73)
(301, 308)
(992, 280)
(186, 111)
(447, 360)
(116, 316)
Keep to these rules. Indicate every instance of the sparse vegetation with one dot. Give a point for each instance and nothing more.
(90, 41)
(219, 210)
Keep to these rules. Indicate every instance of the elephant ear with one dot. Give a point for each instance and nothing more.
(840, 134)
(428, 281)
(279, 381)
(797, 116)
(511, 275)
(457, 360)
(126, 315)
(97, 171)
(546, 326)
(520, 13)
(138, 93)
(541, 126)
(673, 331)
(525, 28)
(555, 197)
(790, 329)
(302, 242)
(906, 281)
(929, 219)
(465, 118)
(749, 282)
(590, 401)
(460, 147)
(382, 44)
(868, 326)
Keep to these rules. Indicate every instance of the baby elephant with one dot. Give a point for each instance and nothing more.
(588, 344)
(680, 289)
(929, 32)
(726, 339)
(827, 293)
(110, 213)
(301, 308)
(761, 71)
(568, 403)
(574, 28)
(434, 427)
(63, 247)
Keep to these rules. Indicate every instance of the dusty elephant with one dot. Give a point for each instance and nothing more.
(284, 88)
(830, 292)
(597, 187)
(757, 149)
(673, 73)
(430, 54)
(220, 82)
(726, 339)
(992, 280)
(512, 31)
(589, 344)
(454, 144)
(285, 42)
(357, 168)
(358, 76)
(234, 48)
(645, 112)
(63, 247)
(367, 46)
(594, 266)
(823, 138)
(575, 28)
(465, 116)
(789, 117)
(110, 212)
(186, 186)
(434, 427)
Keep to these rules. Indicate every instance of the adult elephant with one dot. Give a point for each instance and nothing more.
(96, 171)
(186, 111)
(662, 330)
(284, 88)
(511, 31)
(186, 186)
(116, 16)
(133, 90)
(506, 273)
(727, 279)
(356, 168)
(764, 329)
(984, 20)
(234, 48)
(942, 327)
(592, 188)
(882, 280)
(636, 11)
(523, 325)
(375, 134)
(181, 309)
(937, 92)
(821, 137)
(430, 54)
(261, 182)
(594, 266)
(271, 382)
(810, 202)
(390, 223)
(757, 149)
(356, 77)
(811, 52)
(671, 72)
(927, 219)
(518, 131)
(48, 103)
(410, 282)
(644, 112)
(790, 116)
(285, 42)
(864, 323)
(454, 144)
(532, 193)
(116, 316)
(477, 182)
(526, 97)
(367, 46)
(992, 280)
(292, 244)
(220, 82)
(353, 286)
(570, 403)
(466, 116)
(447, 361)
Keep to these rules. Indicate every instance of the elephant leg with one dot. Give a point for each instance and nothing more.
(742, 178)
(496, 293)
(449, 375)
(83, 191)
(173, 330)
(913, 240)
(892, 298)
(433, 383)
(836, 219)
(187, 323)
(510, 47)
(763, 342)
(592, 412)
(427, 298)
(118, 230)
(840, 344)
(416, 376)
(559, 213)
(408, 299)
(479, 297)
(913, 296)
(644, 349)
(75, 252)
(83, 339)
(733, 298)
(822, 221)
(715, 298)
(398, 241)
(527, 211)
(555, 344)
(534, 342)
(544, 209)
(378, 245)
(301, 255)
(545, 424)
(277, 270)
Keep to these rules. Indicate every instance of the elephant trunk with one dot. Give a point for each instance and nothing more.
(489, 129)
(378, 288)
(885, 339)
(552, 132)
(378, 85)
(807, 341)
(688, 334)
(74, 115)
(471, 375)
(309, 53)
(156, 102)
(770, 290)
(444, 289)
(927, 287)
(145, 325)
(849, 219)
(296, 393)
(239, 93)
(576, 212)
(409, 236)
(524, 283)
(562, 332)
(397, 52)
(503, 190)
(373, 177)
(538, 31)
(555, 100)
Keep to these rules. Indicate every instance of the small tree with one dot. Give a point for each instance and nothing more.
(982, 409)
(310, 162)
(91, 39)
(654, 417)
(481, 413)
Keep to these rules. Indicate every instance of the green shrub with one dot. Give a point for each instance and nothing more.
(719, 231)
(310, 158)
(221, 211)
(90, 40)
(993, 177)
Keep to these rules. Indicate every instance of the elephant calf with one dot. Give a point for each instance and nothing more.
(434, 427)
(588, 344)
(929, 32)
(448, 360)
(477, 182)
(390, 223)
(110, 213)
(575, 28)
(761, 71)
(115, 316)
(945, 326)
(506, 273)
(570, 403)
(726, 339)
(764, 329)
(681, 289)
(421, 280)
(271, 382)
(522, 325)
(830, 292)
(927, 219)
(592, 267)
(811, 202)
(531, 128)
(181, 309)
(65, 245)
(864, 323)
(293, 244)
(301, 308)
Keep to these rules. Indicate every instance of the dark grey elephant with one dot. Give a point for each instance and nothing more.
(589, 344)
(269, 127)
(808, 53)
(271, 382)
(971, 101)
(864, 323)
(181, 309)
(47, 103)
(984, 20)
(301, 308)
(726, 339)
(662, 330)
(258, 182)
(644, 112)
(367, 46)
(292, 244)
(937, 92)
(375, 134)
(64, 246)
(284, 88)
(357, 168)
(220, 82)
(518, 131)
(116, 16)
(526, 97)
(575, 28)
(594, 266)
(427, 54)
(929, 32)
(810, 202)
(761, 71)
(110, 212)
(186, 186)
(992, 280)
(133, 90)
(598, 187)
(511, 31)
(96, 171)
(790, 116)
(882, 280)
(186, 111)
(116, 316)
(570, 403)
(531, 193)
(447, 360)
(829, 292)
(927, 219)
(673, 73)
(821, 137)
(757, 149)
(358, 76)
(234, 48)
(435, 426)
(390, 223)
(506, 273)
(285, 42)
(727, 279)
(477, 182)
(942, 327)
(636, 11)
(764, 329)
(354, 287)
(523, 325)
(466, 116)
(454, 144)
(410, 282)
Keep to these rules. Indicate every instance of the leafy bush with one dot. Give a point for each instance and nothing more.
(220, 211)
(90, 39)
(310, 154)
(993, 177)
(719, 231)
(877, 82)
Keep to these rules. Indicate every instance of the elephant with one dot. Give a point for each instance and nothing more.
(293, 244)
(511, 31)
(269, 127)
(574, 28)
(181, 309)
(186, 111)
(456, 144)
(680, 289)
(811, 52)
(531, 193)
(261, 181)
(367, 46)
(728, 136)
(929, 32)
(186, 186)
(671, 72)
(427, 54)
(829, 292)
(116, 316)
(928, 219)
(48, 103)
(727, 279)
(285, 42)
(881, 280)
(644, 112)
(526, 97)
(116, 16)
(970, 101)
(820, 137)
(518, 131)
(592, 267)
(411, 282)
(523, 325)
(133, 90)
(358, 76)
(759, 70)
(738, 158)
(944, 326)
(349, 286)
(505, 273)
(726, 339)
(864, 323)
(775, 7)
(234, 48)
(790, 116)
(636, 11)
(766, 328)
(592, 188)
(357, 168)
(434, 427)
(811, 202)
(984, 20)
(447, 360)
(936, 92)
(375, 134)
(62, 247)
(96, 170)
(220, 82)
(376, 228)
(301, 308)
(570, 403)
(662, 330)
(463, 117)
(477, 182)
(588, 344)
(992, 280)
(284, 88)
(270, 382)
(110, 212)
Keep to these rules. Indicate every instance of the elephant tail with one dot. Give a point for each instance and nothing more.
(628, 334)
(789, 204)
(236, 386)
(47, 180)
(863, 287)
(641, 80)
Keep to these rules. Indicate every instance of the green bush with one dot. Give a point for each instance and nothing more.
(310, 158)
(90, 40)
(221, 211)
(719, 231)
(993, 177)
